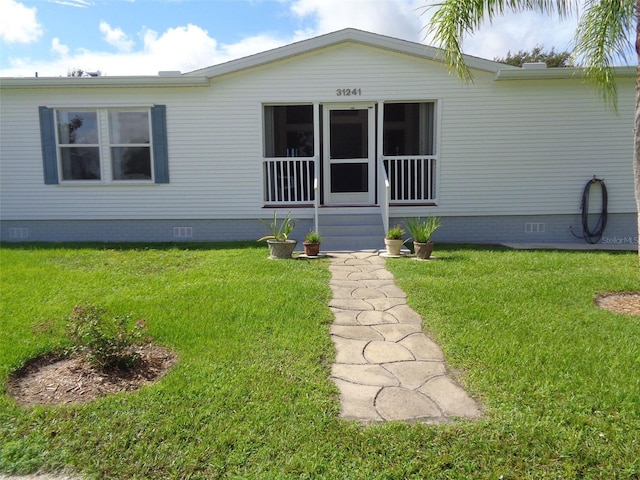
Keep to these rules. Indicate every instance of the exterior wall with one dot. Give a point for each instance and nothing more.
(506, 149)
(555, 229)
(176, 230)
(473, 229)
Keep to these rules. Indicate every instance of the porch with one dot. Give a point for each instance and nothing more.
(399, 181)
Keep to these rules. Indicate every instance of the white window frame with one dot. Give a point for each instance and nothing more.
(104, 145)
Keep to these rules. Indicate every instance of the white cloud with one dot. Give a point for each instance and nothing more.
(116, 37)
(18, 24)
(74, 3)
(59, 48)
(523, 31)
(388, 17)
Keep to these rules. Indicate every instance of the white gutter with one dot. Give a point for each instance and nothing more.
(114, 82)
(555, 73)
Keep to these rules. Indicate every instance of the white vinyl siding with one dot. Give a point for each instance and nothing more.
(504, 148)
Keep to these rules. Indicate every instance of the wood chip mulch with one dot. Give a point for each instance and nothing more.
(55, 380)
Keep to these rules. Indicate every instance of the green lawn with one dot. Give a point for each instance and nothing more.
(251, 396)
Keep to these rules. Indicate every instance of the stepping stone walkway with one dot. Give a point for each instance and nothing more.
(386, 367)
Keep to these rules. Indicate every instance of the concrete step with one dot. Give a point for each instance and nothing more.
(350, 232)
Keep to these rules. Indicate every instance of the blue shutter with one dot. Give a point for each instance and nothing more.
(160, 151)
(48, 141)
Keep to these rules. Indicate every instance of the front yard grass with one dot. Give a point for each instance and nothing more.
(251, 397)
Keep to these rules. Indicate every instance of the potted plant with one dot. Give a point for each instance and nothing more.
(280, 246)
(393, 240)
(312, 244)
(421, 230)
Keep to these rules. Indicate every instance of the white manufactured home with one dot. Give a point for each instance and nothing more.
(350, 132)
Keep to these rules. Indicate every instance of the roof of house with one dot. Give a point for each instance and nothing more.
(347, 35)
(202, 76)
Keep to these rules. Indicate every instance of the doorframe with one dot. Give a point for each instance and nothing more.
(342, 198)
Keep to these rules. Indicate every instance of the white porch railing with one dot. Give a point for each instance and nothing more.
(289, 180)
(412, 179)
(384, 191)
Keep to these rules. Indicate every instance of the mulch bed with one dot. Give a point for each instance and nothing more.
(54, 380)
(620, 302)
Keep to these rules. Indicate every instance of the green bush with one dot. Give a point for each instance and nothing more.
(104, 341)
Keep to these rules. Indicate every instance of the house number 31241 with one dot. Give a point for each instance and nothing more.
(348, 92)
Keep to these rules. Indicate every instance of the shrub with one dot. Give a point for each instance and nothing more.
(104, 341)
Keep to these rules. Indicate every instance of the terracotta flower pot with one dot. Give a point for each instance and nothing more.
(281, 249)
(423, 250)
(393, 246)
(311, 249)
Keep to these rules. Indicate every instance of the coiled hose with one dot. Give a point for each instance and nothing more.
(593, 235)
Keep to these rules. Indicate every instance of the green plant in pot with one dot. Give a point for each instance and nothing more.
(312, 244)
(421, 230)
(393, 240)
(280, 245)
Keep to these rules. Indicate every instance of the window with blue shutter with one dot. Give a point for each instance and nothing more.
(136, 145)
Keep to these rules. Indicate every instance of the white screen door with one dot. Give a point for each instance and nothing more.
(349, 153)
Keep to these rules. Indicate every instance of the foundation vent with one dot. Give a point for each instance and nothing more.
(534, 228)
(19, 232)
(182, 232)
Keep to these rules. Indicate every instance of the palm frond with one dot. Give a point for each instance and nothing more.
(453, 19)
(603, 34)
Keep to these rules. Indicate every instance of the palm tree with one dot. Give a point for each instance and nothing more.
(602, 35)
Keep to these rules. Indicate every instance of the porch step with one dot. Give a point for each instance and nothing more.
(350, 232)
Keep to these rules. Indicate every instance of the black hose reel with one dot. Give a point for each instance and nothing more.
(593, 234)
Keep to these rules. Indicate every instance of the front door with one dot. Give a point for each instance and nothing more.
(349, 154)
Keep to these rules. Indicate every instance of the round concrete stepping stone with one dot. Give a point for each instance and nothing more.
(397, 403)
(352, 284)
(350, 304)
(414, 374)
(375, 317)
(451, 397)
(422, 347)
(348, 350)
(372, 375)
(340, 274)
(357, 401)
(387, 304)
(357, 261)
(394, 332)
(376, 283)
(341, 292)
(345, 317)
(392, 291)
(405, 314)
(365, 293)
(384, 352)
(355, 332)
(370, 267)
(363, 276)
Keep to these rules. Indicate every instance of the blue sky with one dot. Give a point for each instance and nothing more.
(142, 37)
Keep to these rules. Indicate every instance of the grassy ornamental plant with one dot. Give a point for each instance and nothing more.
(395, 233)
(313, 237)
(421, 229)
(280, 230)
